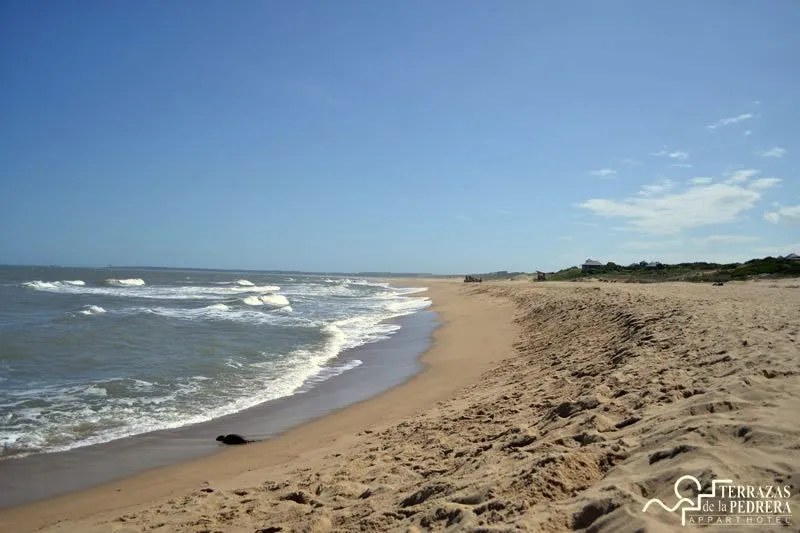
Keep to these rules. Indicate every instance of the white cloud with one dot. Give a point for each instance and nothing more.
(772, 152)
(747, 132)
(652, 245)
(789, 213)
(729, 120)
(764, 183)
(677, 154)
(740, 176)
(722, 239)
(672, 213)
(779, 249)
(700, 181)
(681, 165)
(656, 188)
(604, 172)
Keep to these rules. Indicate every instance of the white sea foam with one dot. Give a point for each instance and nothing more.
(241, 289)
(92, 310)
(96, 390)
(218, 307)
(231, 362)
(252, 300)
(132, 282)
(275, 300)
(53, 285)
(244, 283)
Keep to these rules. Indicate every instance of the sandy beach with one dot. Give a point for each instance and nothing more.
(543, 407)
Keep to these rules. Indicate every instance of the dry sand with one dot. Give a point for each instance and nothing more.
(594, 399)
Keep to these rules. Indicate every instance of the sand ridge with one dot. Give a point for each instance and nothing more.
(610, 393)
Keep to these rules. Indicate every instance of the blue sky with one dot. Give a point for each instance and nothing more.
(404, 136)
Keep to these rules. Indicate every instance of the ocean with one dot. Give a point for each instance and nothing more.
(93, 355)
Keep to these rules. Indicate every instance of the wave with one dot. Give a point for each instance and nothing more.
(133, 282)
(53, 285)
(274, 300)
(248, 288)
(244, 283)
(255, 315)
(252, 300)
(92, 310)
(134, 289)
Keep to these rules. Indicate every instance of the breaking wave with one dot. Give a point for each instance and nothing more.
(133, 282)
(53, 285)
(92, 310)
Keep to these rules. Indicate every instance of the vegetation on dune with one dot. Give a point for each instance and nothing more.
(643, 272)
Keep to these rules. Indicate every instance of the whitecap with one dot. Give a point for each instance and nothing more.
(275, 300)
(40, 285)
(244, 283)
(132, 282)
(53, 285)
(252, 300)
(92, 310)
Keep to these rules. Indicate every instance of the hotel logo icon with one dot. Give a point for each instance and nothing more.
(687, 504)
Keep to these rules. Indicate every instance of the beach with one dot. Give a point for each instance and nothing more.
(541, 407)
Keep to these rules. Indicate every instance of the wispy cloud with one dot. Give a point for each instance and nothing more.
(778, 249)
(672, 213)
(772, 152)
(681, 165)
(747, 133)
(604, 172)
(677, 154)
(722, 239)
(656, 188)
(764, 183)
(740, 176)
(652, 244)
(787, 213)
(629, 161)
(729, 120)
(701, 180)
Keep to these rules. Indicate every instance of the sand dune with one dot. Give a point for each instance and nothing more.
(605, 395)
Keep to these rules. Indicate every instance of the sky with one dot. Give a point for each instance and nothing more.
(415, 136)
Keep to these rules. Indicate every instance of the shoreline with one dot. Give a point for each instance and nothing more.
(385, 364)
(434, 382)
